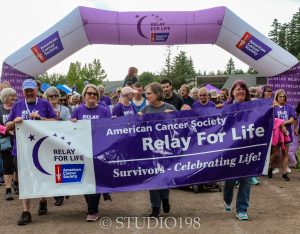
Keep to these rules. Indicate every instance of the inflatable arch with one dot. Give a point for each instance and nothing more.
(84, 26)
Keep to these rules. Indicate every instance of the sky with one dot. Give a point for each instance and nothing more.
(22, 21)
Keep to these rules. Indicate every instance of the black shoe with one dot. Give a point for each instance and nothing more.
(270, 173)
(25, 218)
(166, 205)
(59, 201)
(285, 177)
(106, 196)
(43, 208)
(155, 212)
(15, 187)
(9, 196)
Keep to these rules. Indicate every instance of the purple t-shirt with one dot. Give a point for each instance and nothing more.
(98, 112)
(121, 110)
(285, 113)
(199, 105)
(20, 109)
(106, 100)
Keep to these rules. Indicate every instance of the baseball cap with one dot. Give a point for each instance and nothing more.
(29, 84)
(127, 90)
(213, 93)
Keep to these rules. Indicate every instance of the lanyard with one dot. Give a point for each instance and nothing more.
(27, 108)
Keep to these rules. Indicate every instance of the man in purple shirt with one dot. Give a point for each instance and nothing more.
(30, 108)
(102, 97)
(203, 99)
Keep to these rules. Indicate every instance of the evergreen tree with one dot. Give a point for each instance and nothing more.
(274, 33)
(148, 77)
(182, 70)
(230, 67)
(168, 64)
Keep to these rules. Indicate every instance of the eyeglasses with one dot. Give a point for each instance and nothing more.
(202, 95)
(53, 96)
(148, 94)
(92, 94)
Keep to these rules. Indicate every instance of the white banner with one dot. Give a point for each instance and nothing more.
(55, 158)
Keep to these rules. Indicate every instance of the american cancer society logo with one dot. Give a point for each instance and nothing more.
(48, 48)
(159, 29)
(68, 164)
(252, 46)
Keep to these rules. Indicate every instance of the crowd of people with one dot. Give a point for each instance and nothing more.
(134, 99)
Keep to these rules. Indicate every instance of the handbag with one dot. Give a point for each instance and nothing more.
(5, 143)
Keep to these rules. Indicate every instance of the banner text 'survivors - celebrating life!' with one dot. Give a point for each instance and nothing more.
(140, 153)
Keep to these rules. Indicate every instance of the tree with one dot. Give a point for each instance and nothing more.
(230, 67)
(73, 75)
(52, 79)
(92, 73)
(239, 71)
(251, 70)
(148, 77)
(166, 72)
(182, 70)
(287, 35)
(274, 33)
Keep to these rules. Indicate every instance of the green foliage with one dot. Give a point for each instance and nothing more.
(287, 35)
(180, 71)
(92, 73)
(53, 79)
(230, 67)
(251, 70)
(148, 77)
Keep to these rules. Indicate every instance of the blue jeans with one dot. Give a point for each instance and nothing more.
(156, 196)
(92, 201)
(243, 196)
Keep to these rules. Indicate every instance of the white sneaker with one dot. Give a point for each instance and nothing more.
(275, 171)
(288, 170)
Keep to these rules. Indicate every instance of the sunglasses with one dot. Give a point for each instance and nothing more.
(269, 91)
(53, 96)
(92, 94)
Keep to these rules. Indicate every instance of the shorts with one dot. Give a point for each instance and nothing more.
(8, 163)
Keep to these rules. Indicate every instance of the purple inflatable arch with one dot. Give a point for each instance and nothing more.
(84, 26)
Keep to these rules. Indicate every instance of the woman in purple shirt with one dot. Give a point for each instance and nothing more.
(123, 107)
(286, 113)
(88, 111)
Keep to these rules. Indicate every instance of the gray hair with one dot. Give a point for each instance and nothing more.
(6, 92)
(157, 89)
(50, 91)
(93, 87)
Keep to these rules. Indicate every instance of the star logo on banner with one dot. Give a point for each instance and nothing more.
(63, 138)
(31, 137)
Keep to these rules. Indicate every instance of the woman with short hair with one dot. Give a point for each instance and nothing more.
(91, 110)
(52, 94)
(8, 97)
(155, 96)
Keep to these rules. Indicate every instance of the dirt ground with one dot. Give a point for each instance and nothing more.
(274, 208)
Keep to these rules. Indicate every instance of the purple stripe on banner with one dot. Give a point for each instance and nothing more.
(290, 82)
(185, 147)
(14, 77)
